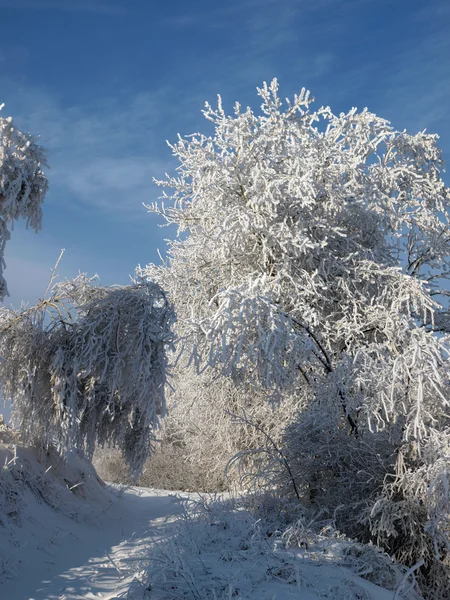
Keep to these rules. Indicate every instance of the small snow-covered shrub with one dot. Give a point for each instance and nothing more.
(410, 517)
(333, 471)
(165, 469)
(11, 501)
(320, 541)
(7, 434)
(168, 468)
(110, 465)
(375, 487)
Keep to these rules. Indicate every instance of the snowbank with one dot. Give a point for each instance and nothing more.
(64, 534)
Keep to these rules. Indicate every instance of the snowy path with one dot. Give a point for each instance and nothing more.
(64, 560)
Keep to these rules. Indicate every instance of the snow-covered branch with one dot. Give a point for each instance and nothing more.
(23, 184)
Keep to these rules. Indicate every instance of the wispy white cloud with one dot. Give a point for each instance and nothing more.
(93, 6)
(295, 40)
(119, 185)
(102, 155)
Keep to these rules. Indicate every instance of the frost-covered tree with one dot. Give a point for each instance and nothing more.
(88, 366)
(23, 184)
(312, 256)
(303, 233)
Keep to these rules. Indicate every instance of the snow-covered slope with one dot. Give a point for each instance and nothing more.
(63, 533)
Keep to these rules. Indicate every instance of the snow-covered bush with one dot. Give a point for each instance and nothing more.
(11, 501)
(336, 472)
(7, 433)
(110, 465)
(312, 258)
(23, 184)
(88, 366)
(410, 516)
(388, 483)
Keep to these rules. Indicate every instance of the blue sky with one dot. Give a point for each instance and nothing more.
(106, 82)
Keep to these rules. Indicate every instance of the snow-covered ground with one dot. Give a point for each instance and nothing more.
(61, 559)
(64, 536)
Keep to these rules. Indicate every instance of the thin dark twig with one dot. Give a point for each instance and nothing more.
(279, 451)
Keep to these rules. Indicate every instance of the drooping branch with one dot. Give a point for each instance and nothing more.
(93, 371)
